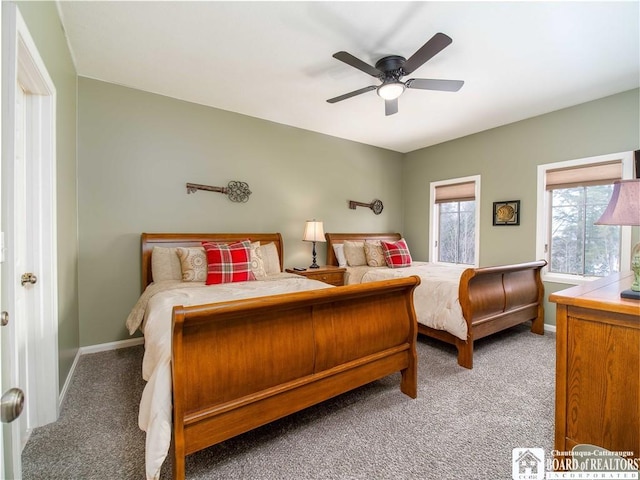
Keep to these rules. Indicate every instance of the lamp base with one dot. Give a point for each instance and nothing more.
(314, 264)
(632, 294)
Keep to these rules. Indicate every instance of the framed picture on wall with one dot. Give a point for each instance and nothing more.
(506, 213)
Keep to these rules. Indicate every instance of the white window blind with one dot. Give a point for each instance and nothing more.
(584, 176)
(456, 192)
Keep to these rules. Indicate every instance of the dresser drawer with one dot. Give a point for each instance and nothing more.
(333, 278)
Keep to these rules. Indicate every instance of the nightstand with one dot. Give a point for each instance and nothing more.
(326, 273)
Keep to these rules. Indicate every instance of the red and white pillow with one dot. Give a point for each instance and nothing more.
(396, 254)
(228, 263)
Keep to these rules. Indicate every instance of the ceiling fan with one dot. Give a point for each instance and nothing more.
(392, 68)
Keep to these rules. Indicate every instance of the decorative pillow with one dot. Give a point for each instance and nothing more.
(374, 254)
(193, 263)
(397, 254)
(270, 258)
(227, 263)
(165, 264)
(338, 249)
(354, 253)
(257, 264)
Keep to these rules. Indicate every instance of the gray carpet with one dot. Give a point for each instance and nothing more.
(463, 425)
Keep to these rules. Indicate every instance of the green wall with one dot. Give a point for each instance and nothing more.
(46, 30)
(507, 158)
(137, 151)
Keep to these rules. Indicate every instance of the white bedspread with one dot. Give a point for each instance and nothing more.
(152, 314)
(436, 298)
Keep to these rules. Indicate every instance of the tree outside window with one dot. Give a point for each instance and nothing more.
(577, 246)
(456, 240)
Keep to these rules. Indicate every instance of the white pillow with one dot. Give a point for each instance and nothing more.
(338, 249)
(165, 264)
(270, 258)
(354, 253)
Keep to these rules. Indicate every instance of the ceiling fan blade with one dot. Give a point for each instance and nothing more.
(434, 46)
(430, 84)
(352, 94)
(357, 63)
(390, 107)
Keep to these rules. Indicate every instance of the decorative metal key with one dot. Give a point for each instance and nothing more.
(236, 191)
(376, 205)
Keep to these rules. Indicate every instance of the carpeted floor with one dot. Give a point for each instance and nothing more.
(463, 425)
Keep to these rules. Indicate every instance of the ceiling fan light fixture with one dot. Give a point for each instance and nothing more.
(391, 90)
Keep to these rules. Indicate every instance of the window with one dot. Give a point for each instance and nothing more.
(454, 221)
(571, 197)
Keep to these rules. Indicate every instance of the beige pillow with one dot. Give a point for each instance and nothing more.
(270, 257)
(165, 264)
(193, 263)
(257, 263)
(354, 253)
(374, 253)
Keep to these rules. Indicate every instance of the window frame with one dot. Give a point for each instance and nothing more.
(434, 224)
(543, 214)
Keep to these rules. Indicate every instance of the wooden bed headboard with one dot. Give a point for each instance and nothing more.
(336, 238)
(150, 240)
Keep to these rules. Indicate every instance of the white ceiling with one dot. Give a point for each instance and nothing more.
(273, 60)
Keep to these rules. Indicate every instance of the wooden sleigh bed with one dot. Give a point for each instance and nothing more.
(237, 365)
(492, 299)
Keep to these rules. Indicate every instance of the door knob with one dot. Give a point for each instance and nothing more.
(28, 278)
(11, 405)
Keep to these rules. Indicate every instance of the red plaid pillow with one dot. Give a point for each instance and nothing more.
(228, 263)
(396, 254)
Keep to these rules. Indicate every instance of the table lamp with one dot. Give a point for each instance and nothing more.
(624, 209)
(313, 232)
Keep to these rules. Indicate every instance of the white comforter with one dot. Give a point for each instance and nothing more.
(152, 314)
(436, 298)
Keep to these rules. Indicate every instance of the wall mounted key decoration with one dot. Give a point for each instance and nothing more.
(376, 206)
(236, 191)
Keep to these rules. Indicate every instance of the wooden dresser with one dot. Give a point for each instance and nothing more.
(598, 366)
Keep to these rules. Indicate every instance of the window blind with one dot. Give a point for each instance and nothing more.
(456, 192)
(585, 175)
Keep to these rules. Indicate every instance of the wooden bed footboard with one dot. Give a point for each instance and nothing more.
(241, 364)
(494, 299)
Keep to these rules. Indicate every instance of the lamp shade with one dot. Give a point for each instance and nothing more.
(313, 231)
(390, 90)
(624, 206)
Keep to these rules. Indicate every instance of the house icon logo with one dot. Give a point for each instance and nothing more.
(527, 464)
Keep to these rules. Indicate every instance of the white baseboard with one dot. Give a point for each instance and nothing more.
(67, 382)
(102, 347)
(549, 328)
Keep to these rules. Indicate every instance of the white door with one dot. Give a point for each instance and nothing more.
(29, 273)
(9, 451)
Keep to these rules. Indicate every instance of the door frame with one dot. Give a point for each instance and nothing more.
(22, 63)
